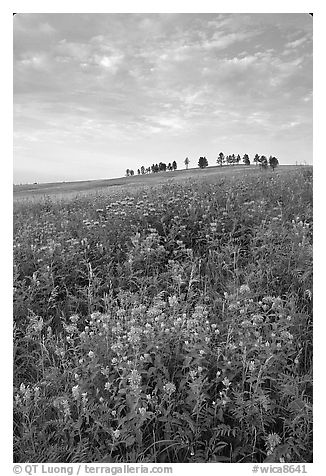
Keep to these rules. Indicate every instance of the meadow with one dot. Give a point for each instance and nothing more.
(167, 322)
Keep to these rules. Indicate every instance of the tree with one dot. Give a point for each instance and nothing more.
(220, 159)
(246, 159)
(169, 166)
(273, 162)
(228, 159)
(256, 159)
(202, 162)
(187, 162)
(138, 171)
(238, 158)
(132, 172)
(263, 162)
(142, 169)
(174, 165)
(127, 172)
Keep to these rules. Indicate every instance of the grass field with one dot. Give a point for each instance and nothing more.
(65, 189)
(165, 318)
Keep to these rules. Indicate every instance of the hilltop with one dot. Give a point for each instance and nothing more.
(27, 190)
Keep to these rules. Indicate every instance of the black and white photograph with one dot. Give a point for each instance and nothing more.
(163, 240)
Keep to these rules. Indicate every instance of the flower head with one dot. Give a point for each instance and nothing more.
(75, 392)
(169, 388)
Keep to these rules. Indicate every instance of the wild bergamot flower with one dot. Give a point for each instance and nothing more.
(169, 388)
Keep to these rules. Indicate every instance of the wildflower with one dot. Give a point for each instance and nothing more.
(66, 408)
(134, 379)
(193, 374)
(173, 301)
(169, 388)
(74, 318)
(26, 392)
(272, 440)
(226, 382)
(251, 366)
(91, 354)
(36, 392)
(142, 411)
(84, 398)
(18, 400)
(75, 392)
(286, 335)
(116, 434)
(244, 289)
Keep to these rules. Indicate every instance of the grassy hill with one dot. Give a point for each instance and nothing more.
(64, 188)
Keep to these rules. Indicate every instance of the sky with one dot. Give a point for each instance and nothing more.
(95, 94)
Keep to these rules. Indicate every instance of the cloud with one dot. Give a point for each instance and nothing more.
(298, 42)
(46, 28)
(142, 84)
(220, 40)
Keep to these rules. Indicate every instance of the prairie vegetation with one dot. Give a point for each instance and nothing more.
(170, 323)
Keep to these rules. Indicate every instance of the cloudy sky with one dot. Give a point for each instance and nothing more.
(95, 94)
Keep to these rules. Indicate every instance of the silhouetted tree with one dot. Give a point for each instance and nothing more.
(142, 169)
(246, 159)
(273, 162)
(256, 159)
(132, 172)
(127, 172)
(187, 162)
(138, 171)
(220, 159)
(238, 158)
(263, 162)
(202, 162)
(174, 165)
